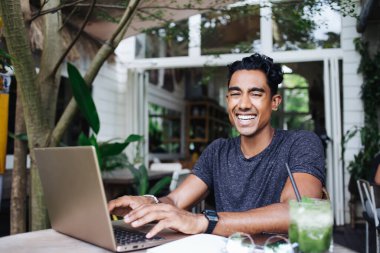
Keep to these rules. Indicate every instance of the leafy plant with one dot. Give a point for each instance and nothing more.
(369, 66)
(110, 153)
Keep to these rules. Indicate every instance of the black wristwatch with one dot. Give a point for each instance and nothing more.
(212, 218)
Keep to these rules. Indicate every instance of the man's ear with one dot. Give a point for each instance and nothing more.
(276, 101)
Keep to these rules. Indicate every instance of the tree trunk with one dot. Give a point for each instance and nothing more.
(48, 84)
(18, 191)
(48, 81)
(36, 125)
(19, 179)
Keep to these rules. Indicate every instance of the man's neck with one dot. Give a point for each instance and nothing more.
(253, 145)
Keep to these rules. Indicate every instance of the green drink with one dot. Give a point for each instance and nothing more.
(293, 232)
(311, 225)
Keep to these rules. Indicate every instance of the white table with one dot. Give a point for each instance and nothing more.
(46, 241)
(50, 241)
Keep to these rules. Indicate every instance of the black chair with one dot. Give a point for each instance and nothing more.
(371, 214)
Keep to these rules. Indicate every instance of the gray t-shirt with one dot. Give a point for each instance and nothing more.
(240, 184)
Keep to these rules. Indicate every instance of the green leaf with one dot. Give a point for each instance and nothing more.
(22, 137)
(94, 142)
(114, 162)
(83, 97)
(160, 185)
(134, 137)
(111, 149)
(85, 141)
(7, 56)
(144, 182)
(136, 176)
(115, 148)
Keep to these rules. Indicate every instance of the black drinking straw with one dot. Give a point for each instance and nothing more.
(298, 196)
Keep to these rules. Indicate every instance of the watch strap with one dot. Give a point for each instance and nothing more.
(212, 218)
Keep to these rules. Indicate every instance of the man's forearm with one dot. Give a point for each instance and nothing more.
(272, 218)
(167, 200)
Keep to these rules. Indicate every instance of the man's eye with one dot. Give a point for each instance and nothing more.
(234, 94)
(256, 94)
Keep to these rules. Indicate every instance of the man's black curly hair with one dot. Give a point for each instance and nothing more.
(260, 62)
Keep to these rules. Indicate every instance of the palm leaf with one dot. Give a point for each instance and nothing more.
(160, 185)
(144, 181)
(85, 141)
(82, 95)
(21, 137)
(136, 176)
(115, 148)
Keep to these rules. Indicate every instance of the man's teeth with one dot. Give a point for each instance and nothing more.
(246, 117)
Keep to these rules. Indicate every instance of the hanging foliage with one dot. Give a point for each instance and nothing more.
(369, 67)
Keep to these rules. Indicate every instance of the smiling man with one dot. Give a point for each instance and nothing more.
(247, 174)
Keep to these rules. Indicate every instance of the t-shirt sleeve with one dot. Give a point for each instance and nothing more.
(307, 155)
(203, 168)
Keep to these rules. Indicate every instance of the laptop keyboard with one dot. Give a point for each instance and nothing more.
(124, 236)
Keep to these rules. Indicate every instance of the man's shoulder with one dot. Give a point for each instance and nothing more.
(222, 145)
(300, 140)
(220, 142)
(298, 135)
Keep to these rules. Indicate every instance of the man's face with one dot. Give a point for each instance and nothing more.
(249, 101)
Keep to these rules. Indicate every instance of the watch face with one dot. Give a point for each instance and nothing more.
(213, 218)
(211, 215)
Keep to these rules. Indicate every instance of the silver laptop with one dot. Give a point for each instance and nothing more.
(76, 201)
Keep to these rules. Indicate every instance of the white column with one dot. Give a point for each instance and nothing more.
(334, 162)
(337, 148)
(328, 119)
(195, 36)
(266, 27)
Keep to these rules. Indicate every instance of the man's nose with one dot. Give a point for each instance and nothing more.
(245, 102)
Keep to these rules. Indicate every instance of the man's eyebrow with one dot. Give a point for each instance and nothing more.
(235, 88)
(257, 89)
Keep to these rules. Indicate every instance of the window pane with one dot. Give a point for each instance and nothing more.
(236, 30)
(295, 93)
(299, 122)
(296, 100)
(296, 26)
(167, 41)
(164, 130)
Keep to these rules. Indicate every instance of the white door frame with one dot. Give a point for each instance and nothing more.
(334, 159)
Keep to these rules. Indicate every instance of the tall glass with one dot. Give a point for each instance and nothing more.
(311, 223)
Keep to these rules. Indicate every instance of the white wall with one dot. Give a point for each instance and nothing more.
(353, 114)
(109, 89)
(117, 97)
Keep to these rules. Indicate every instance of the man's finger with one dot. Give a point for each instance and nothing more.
(157, 228)
(140, 212)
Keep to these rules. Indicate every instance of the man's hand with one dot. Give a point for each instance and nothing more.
(123, 205)
(168, 216)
